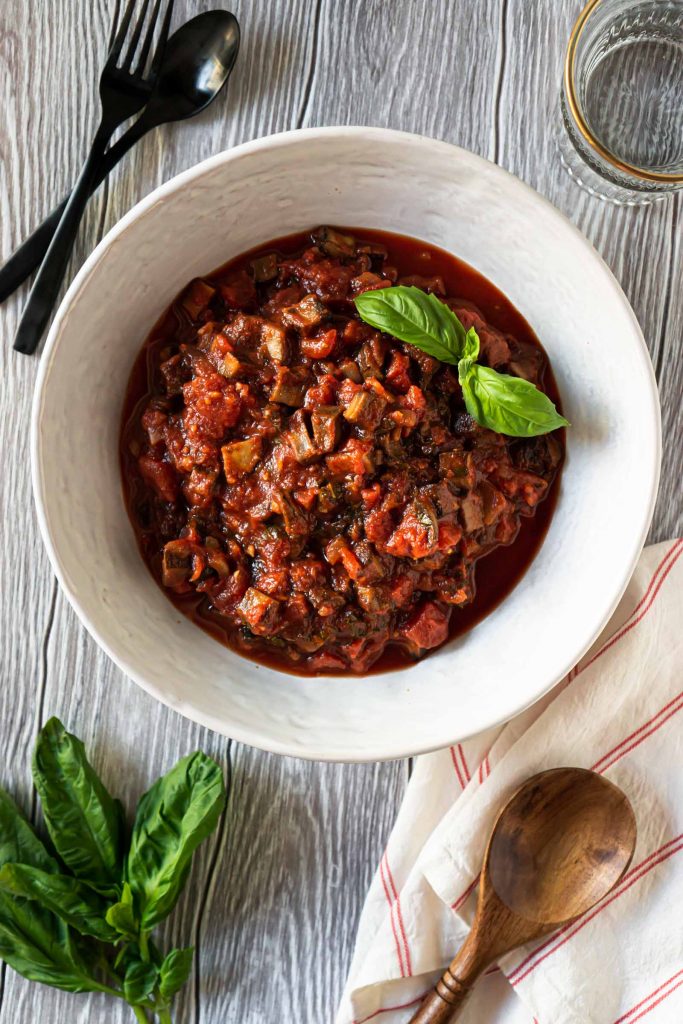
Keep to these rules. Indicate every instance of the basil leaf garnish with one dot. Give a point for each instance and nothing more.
(418, 317)
(73, 901)
(470, 349)
(173, 817)
(174, 971)
(509, 405)
(506, 404)
(84, 821)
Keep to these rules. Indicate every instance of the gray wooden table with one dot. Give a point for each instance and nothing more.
(282, 883)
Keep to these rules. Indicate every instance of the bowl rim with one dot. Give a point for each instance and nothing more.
(251, 735)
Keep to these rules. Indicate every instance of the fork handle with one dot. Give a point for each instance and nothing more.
(28, 256)
(46, 287)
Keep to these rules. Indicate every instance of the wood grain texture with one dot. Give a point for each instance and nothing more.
(283, 881)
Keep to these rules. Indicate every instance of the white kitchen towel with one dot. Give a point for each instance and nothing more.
(619, 712)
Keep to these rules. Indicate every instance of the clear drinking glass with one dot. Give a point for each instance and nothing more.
(621, 136)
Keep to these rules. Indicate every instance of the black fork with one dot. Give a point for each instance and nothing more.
(124, 91)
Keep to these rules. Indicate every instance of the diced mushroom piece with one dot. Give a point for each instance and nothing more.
(295, 519)
(197, 297)
(350, 370)
(229, 366)
(244, 330)
(472, 511)
(215, 557)
(334, 243)
(373, 599)
(176, 563)
(300, 440)
(392, 444)
(305, 314)
(326, 423)
(494, 503)
(287, 388)
(264, 268)
(240, 457)
(275, 341)
(260, 612)
(369, 360)
(365, 410)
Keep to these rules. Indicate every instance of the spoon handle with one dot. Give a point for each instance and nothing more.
(444, 1002)
(29, 255)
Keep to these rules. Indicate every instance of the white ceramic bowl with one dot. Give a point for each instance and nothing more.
(382, 179)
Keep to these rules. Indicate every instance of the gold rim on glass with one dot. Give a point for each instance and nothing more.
(570, 92)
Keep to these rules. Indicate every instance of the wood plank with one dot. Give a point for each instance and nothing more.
(283, 881)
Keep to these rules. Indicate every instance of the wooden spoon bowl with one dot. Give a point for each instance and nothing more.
(558, 847)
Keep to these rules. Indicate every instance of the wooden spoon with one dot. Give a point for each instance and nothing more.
(557, 848)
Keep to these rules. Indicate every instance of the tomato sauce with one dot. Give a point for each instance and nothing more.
(313, 493)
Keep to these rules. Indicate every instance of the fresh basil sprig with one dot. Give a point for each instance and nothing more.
(83, 922)
(173, 817)
(509, 405)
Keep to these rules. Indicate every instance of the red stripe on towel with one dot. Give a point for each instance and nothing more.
(629, 1016)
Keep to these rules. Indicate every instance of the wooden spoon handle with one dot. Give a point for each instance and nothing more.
(444, 1003)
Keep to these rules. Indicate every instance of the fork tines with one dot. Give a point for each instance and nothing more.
(122, 30)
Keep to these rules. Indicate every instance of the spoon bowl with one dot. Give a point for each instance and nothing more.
(197, 63)
(559, 846)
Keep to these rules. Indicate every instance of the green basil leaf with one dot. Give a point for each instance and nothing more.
(173, 817)
(18, 841)
(508, 405)
(470, 348)
(121, 915)
(65, 896)
(85, 823)
(414, 316)
(139, 981)
(175, 970)
(40, 947)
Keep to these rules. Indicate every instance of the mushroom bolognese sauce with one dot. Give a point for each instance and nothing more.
(314, 492)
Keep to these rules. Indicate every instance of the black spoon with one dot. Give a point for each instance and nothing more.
(197, 63)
